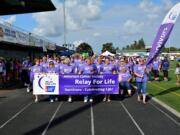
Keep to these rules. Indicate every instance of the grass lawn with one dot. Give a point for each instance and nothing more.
(168, 92)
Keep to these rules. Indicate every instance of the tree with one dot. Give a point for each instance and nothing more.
(109, 47)
(85, 48)
(137, 45)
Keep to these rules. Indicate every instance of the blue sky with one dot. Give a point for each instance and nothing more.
(99, 21)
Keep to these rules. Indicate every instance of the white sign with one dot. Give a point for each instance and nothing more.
(46, 84)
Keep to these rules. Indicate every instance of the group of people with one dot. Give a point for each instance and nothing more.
(129, 69)
(10, 70)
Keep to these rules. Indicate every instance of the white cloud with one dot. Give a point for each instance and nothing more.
(10, 20)
(154, 10)
(131, 27)
(78, 14)
(96, 34)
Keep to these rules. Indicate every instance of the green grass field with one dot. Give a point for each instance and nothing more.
(168, 92)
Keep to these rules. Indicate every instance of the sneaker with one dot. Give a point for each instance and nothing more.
(91, 100)
(129, 92)
(109, 100)
(36, 100)
(51, 100)
(104, 99)
(56, 99)
(85, 100)
(28, 89)
(69, 99)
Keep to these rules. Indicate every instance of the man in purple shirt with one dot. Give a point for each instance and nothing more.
(141, 79)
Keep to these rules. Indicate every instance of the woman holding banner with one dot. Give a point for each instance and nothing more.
(52, 69)
(108, 68)
(35, 69)
(141, 79)
(68, 69)
(88, 68)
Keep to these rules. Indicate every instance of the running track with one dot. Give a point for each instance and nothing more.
(19, 115)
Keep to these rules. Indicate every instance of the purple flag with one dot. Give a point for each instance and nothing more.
(164, 33)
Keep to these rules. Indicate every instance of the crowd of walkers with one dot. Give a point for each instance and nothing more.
(129, 70)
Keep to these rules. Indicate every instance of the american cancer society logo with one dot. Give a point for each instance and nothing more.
(47, 84)
(173, 16)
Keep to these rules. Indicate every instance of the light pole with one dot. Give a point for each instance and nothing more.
(64, 13)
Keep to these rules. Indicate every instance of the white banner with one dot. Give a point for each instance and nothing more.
(46, 84)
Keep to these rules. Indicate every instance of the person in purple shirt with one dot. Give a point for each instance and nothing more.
(99, 66)
(51, 69)
(165, 68)
(44, 63)
(122, 65)
(108, 68)
(34, 69)
(88, 68)
(141, 79)
(25, 71)
(68, 69)
(124, 81)
(156, 65)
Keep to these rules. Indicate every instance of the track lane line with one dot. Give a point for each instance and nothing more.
(14, 116)
(52, 118)
(133, 120)
(92, 121)
(167, 115)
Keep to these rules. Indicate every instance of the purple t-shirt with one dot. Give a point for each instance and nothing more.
(44, 65)
(26, 64)
(119, 69)
(108, 69)
(35, 69)
(140, 69)
(88, 69)
(51, 70)
(125, 76)
(156, 64)
(67, 69)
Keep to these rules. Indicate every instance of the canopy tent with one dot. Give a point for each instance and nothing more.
(107, 53)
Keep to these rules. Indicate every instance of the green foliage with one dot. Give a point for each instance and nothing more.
(85, 48)
(109, 47)
(137, 45)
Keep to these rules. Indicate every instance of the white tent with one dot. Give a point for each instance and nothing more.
(107, 53)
